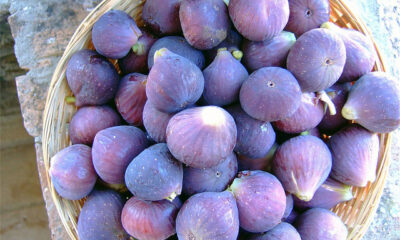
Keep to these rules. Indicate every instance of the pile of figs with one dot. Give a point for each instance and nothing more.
(222, 120)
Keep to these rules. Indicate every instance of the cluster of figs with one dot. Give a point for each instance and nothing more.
(251, 125)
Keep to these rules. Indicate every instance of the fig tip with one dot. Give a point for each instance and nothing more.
(349, 113)
(237, 54)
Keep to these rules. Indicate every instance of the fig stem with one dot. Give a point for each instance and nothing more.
(159, 53)
(237, 54)
(327, 100)
(348, 113)
(305, 133)
(139, 49)
(226, 2)
(171, 197)
(70, 99)
(221, 49)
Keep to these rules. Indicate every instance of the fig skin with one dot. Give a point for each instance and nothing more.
(174, 82)
(355, 153)
(270, 94)
(201, 137)
(177, 45)
(261, 200)
(162, 16)
(254, 137)
(317, 59)
(214, 179)
(307, 116)
(131, 97)
(88, 121)
(283, 231)
(264, 163)
(327, 196)
(259, 20)
(156, 122)
(205, 23)
(302, 164)
(268, 53)
(289, 205)
(92, 78)
(114, 148)
(155, 174)
(118, 28)
(292, 217)
(149, 220)
(208, 215)
(72, 173)
(232, 43)
(223, 79)
(374, 102)
(319, 223)
(306, 15)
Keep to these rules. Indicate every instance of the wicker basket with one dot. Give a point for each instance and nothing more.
(357, 214)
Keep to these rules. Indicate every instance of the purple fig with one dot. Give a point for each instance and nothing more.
(374, 102)
(131, 97)
(232, 43)
(260, 199)
(208, 215)
(283, 231)
(327, 196)
(307, 116)
(289, 205)
(292, 217)
(306, 15)
(162, 16)
(317, 59)
(156, 122)
(259, 20)
(270, 94)
(264, 163)
(174, 82)
(319, 223)
(205, 23)
(155, 174)
(223, 79)
(270, 52)
(201, 137)
(355, 153)
(214, 179)
(302, 164)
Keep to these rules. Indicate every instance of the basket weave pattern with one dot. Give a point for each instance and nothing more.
(357, 214)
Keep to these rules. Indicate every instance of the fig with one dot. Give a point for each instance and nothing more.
(162, 16)
(264, 163)
(149, 220)
(174, 82)
(201, 137)
(100, 217)
(260, 199)
(289, 205)
(223, 79)
(72, 173)
(307, 116)
(292, 217)
(87, 121)
(92, 78)
(302, 164)
(208, 215)
(155, 174)
(131, 97)
(270, 94)
(355, 153)
(214, 179)
(205, 23)
(118, 28)
(313, 132)
(268, 53)
(327, 196)
(319, 223)
(374, 102)
(254, 137)
(306, 15)
(177, 45)
(114, 148)
(317, 59)
(156, 122)
(283, 231)
(259, 20)
(136, 60)
(232, 43)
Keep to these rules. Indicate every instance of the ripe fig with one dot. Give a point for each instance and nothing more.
(131, 97)
(174, 82)
(319, 223)
(201, 137)
(162, 16)
(355, 153)
(232, 43)
(156, 122)
(283, 231)
(289, 205)
(223, 79)
(302, 164)
(259, 20)
(154, 174)
(264, 163)
(270, 94)
(317, 59)
(292, 217)
(205, 23)
(374, 102)
(260, 199)
(208, 215)
(268, 53)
